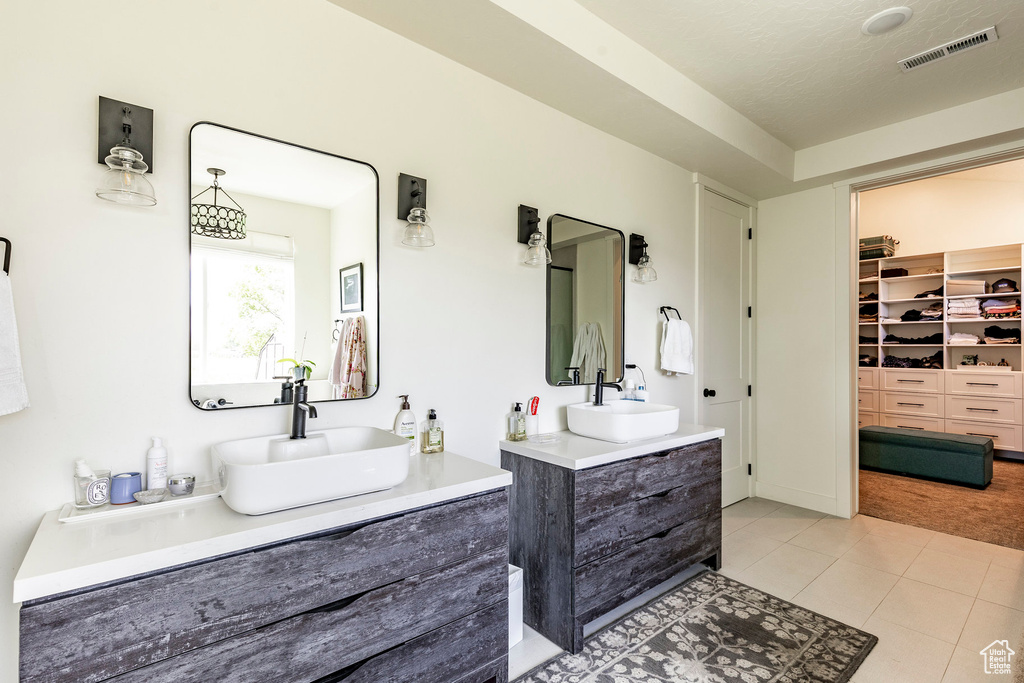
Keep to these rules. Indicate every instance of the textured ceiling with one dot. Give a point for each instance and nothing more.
(803, 71)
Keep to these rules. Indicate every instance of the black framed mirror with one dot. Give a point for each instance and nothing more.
(585, 300)
(284, 253)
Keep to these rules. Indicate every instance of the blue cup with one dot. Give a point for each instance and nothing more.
(124, 486)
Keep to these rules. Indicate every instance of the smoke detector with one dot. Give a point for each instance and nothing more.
(886, 21)
(954, 47)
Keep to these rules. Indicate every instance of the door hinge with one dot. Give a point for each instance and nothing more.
(750, 311)
(750, 390)
(750, 233)
(750, 469)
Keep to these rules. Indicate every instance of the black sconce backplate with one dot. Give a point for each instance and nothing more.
(406, 200)
(528, 221)
(636, 248)
(111, 115)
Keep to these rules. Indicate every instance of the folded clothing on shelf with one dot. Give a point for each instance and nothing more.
(932, 362)
(964, 308)
(962, 339)
(930, 294)
(868, 361)
(870, 296)
(868, 340)
(1001, 335)
(1000, 308)
(932, 313)
(895, 272)
(930, 339)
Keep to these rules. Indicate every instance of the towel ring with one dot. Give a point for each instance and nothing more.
(7, 255)
(665, 309)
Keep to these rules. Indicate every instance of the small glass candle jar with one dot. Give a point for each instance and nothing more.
(92, 490)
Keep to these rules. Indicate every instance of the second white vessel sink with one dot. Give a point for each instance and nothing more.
(622, 421)
(358, 460)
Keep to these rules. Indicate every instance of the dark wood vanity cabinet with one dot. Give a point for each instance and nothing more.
(420, 596)
(589, 540)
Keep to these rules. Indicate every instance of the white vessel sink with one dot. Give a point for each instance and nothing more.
(358, 460)
(623, 421)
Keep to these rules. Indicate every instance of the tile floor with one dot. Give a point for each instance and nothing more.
(933, 600)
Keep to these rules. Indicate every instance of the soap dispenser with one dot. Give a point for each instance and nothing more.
(405, 423)
(431, 434)
(515, 424)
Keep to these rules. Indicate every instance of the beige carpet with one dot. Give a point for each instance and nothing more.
(992, 515)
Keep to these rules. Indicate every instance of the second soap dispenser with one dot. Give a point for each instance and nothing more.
(431, 434)
(515, 424)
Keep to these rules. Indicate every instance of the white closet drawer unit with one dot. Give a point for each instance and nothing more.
(867, 400)
(866, 419)
(1001, 384)
(1003, 436)
(983, 409)
(912, 380)
(867, 378)
(911, 404)
(931, 424)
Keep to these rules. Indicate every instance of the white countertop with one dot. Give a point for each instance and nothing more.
(66, 557)
(579, 452)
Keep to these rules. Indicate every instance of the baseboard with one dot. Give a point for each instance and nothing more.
(802, 499)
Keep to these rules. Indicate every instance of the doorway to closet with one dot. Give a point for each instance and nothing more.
(939, 352)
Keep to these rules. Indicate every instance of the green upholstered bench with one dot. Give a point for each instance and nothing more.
(936, 455)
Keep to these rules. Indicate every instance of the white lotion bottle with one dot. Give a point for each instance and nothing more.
(156, 466)
(405, 423)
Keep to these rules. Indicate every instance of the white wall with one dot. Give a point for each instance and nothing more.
(102, 290)
(945, 213)
(796, 350)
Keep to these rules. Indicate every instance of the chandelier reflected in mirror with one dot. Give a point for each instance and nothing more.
(215, 220)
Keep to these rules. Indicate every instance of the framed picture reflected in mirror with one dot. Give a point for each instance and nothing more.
(351, 282)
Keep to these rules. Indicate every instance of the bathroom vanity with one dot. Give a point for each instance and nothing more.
(408, 584)
(594, 524)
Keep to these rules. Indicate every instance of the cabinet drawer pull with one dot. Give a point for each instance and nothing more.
(982, 384)
(991, 436)
(984, 410)
(661, 495)
(662, 534)
(909, 427)
(916, 405)
(337, 604)
(915, 381)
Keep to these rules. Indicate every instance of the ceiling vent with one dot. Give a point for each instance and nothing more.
(951, 48)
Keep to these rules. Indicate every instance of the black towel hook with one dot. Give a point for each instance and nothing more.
(665, 309)
(7, 255)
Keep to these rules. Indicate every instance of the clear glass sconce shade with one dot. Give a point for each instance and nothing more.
(418, 233)
(645, 271)
(537, 253)
(125, 182)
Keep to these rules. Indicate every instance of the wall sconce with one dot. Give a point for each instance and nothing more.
(638, 256)
(412, 206)
(126, 132)
(537, 253)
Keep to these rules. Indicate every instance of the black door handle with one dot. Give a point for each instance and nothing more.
(709, 392)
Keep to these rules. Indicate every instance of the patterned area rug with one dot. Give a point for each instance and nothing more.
(712, 629)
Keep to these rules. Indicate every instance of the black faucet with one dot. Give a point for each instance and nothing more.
(599, 386)
(570, 383)
(300, 410)
(286, 389)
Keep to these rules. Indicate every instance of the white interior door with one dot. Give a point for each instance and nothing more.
(725, 335)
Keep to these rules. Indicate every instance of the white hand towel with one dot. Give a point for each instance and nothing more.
(676, 347)
(13, 394)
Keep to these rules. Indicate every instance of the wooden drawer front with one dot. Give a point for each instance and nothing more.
(867, 400)
(866, 419)
(983, 409)
(327, 640)
(912, 380)
(107, 631)
(603, 487)
(867, 378)
(915, 404)
(1002, 385)
(1003, 436)
(612, 530)
(931, 424)
(610, 581)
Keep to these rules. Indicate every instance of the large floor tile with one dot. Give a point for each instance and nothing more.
(785, 571)
(1011, 558)
(901, 532)
(731, 525)
(852, 585)
(831, 535)
(884, 553)
(783, 523)
(742, 549)
(931, 610)
(948, 571)
(1003, 586)
(903, 655)
(751, 508)
(968, 666)
(988, 622)
(967, 548)
(830, 608)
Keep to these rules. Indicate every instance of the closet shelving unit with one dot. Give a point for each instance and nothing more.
(985, 401)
